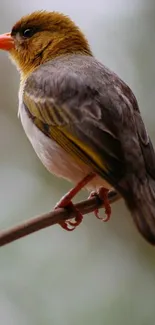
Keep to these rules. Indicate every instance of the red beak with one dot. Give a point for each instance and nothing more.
(6, 42)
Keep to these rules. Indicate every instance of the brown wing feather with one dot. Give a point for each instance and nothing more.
(95, 111)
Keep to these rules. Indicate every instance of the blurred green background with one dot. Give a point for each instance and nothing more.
(100, 273)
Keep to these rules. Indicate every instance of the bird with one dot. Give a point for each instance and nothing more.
(81, 118)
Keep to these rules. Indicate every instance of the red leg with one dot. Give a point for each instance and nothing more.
(65, 202)
(67, 198)
(103, 195)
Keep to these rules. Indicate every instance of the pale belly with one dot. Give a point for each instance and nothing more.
(54, 158)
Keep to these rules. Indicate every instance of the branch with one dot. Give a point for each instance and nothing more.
(51, 218)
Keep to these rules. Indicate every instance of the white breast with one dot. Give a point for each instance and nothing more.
(53, 157)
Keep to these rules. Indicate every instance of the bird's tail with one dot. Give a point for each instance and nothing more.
(141, 202)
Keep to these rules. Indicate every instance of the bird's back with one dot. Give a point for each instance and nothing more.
(87, 90)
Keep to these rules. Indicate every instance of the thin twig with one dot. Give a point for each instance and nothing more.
(52, 218)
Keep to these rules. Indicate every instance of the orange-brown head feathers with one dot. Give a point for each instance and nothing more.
(43, 35)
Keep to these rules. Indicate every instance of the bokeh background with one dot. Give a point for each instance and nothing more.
(100, 273)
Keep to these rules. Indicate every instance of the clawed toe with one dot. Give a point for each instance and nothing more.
(70, 225)
(102, 194)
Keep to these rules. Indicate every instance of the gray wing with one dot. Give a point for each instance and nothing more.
(97, 114)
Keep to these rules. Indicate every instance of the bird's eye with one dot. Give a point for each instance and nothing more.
(29, 32)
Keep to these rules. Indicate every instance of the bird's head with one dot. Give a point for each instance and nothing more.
(42, 36)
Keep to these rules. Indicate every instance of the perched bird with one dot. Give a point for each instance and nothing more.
(82, 120)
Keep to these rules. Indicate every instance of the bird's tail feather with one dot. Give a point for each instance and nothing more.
(141, 203)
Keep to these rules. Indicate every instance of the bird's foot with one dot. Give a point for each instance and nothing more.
(102, 194)
(67, 224)
(66, 202)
